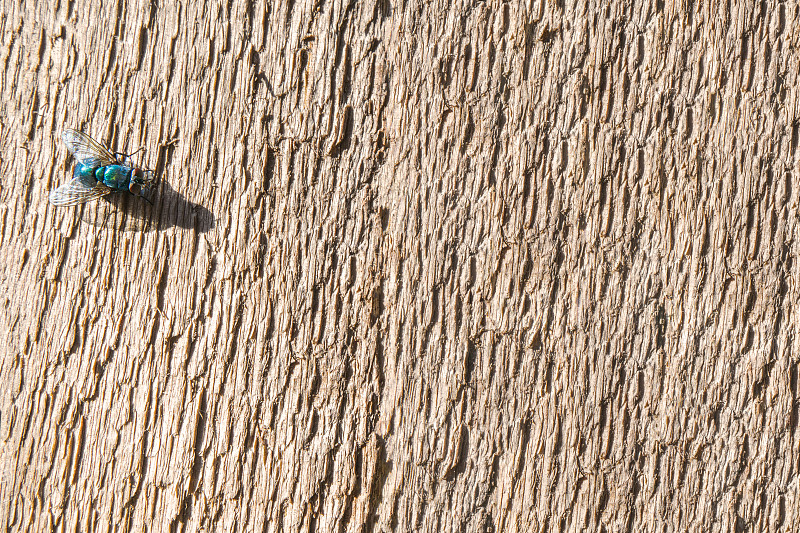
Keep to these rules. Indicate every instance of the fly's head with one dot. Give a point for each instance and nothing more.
(141, 181)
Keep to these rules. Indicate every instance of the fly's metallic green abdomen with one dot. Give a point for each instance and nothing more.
(84, 172)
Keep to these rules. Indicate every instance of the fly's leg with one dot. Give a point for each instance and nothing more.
(128, 156)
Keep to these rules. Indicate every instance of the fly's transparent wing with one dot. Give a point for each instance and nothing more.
(77, 191)
(86, 150)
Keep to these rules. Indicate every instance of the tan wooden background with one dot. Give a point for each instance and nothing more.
(412, 266)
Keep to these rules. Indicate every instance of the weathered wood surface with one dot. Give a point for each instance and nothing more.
(416, 266)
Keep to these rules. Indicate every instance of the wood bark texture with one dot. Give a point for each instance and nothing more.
(411, 266)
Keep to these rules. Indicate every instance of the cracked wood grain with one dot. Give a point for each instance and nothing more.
(411, 266)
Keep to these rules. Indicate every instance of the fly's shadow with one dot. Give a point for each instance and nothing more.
(126, 212)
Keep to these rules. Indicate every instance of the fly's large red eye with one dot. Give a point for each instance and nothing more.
(135, 188)
(137, 173)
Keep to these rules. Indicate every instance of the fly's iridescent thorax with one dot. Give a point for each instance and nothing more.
(115, 176)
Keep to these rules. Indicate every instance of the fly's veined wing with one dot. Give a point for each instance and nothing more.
(77, 191)
(86, 150)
